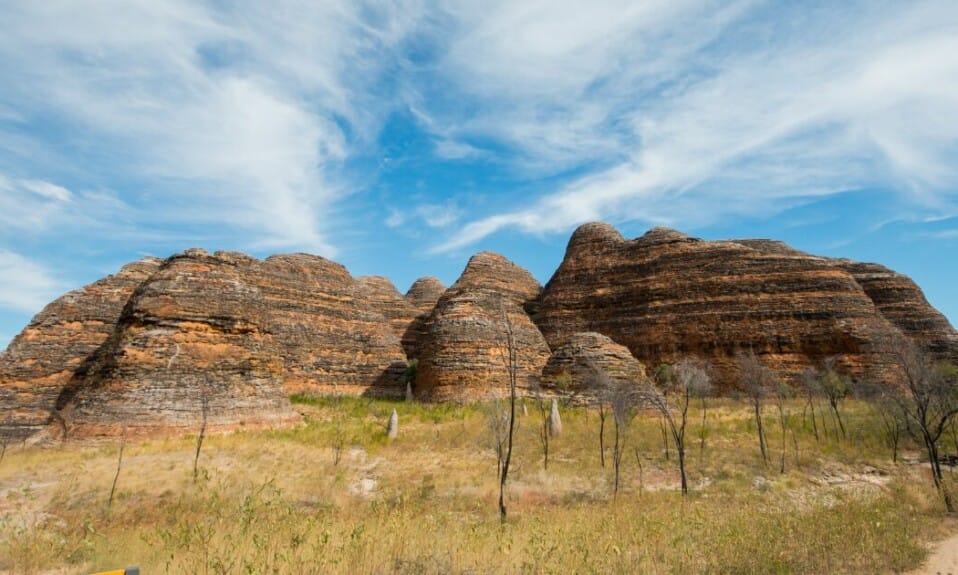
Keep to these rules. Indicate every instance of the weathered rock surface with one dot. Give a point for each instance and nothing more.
(422, 295)
(225, 330)
(164, 344)
(466, 350)
(331, 340)
(666, 295)
(576, 368)
(178, 356)
(902, 303)
(382, 295)
(41, 360)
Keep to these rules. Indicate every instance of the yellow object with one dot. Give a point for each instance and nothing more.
(127, 571)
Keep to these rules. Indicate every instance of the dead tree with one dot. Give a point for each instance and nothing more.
(756, 380)
(883, 400)
(119, 466)
(205, 412)
(929, 399)
(689, 379)
(808, 382)
(835, 388)
(512, 367)
(600, 382)
(782, 393)
(622, 398)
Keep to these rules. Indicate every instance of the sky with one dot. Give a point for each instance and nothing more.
(400, 138)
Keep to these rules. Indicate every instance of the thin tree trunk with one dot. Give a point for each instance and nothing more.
(702, 430)
(119, 465)
(602, 416)
(838, 418)
(665, 437)
(761, 431)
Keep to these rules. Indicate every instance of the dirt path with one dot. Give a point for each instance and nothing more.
(943, 560)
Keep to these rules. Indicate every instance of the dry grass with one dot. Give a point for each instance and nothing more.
(278, 501)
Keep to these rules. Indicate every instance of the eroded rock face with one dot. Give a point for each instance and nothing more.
(380, 292)
(144, 351)
(331, 340)
(902, 303)
(666, 296)
(41, 360)
(422, 295)
(579, 367)
(465, 353)
(194, 342)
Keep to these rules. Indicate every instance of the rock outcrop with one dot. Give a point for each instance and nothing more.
(588, 362)
(666, 296)
(178, 356)
(42, 359)
(331, 340)
(423, 295)
(466, 350)
(902, 302)
(382, 295)
(226, 337)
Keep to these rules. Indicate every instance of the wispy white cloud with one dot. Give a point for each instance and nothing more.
(32, 205)
(742, 115)
(28, 286)
(436, 216)
(243, 114)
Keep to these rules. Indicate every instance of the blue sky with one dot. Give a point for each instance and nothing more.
(399, 139)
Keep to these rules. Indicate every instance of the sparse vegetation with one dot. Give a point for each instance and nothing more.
(274, 501)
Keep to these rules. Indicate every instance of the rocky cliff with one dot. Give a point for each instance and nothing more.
(666, 295)
(166, 344)
(42, 359)
(423, 295)
(587, 364)
(466, 349)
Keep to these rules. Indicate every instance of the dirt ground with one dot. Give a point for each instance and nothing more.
(943, 560)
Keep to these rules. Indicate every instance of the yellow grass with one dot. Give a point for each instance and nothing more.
(277, 501)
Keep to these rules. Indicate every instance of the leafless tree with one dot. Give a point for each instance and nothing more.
(782, 393)
(205, 411)
(663, 380)
(119, 466)
(808, 383)
(929, 400)
(542, 406)
(601, 385)
(497, 421)
(883, 399)
(689, 379)
(835, 387)
(512, 367)
(622, 398)
(756, 380)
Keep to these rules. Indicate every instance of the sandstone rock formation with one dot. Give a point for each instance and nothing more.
(666, 295)
(224, 333)
(423, 295)
(330, 339)
(902, 303)
(165, 344)
(382, 295)
(466, 351)
(41, 360)
(576, 368)
(178, 355)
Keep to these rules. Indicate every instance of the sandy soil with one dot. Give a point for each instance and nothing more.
(943, 560)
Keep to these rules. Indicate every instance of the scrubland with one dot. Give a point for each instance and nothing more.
(336, 496)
